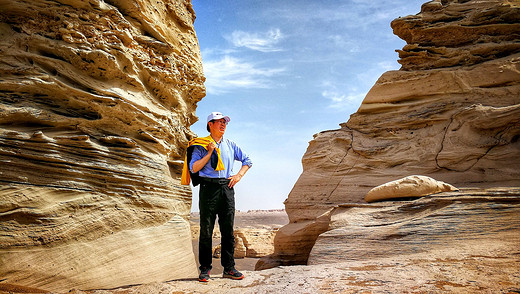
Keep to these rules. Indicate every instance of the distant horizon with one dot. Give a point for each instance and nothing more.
(286, 70)
(252, 210)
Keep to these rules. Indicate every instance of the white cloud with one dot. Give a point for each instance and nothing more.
(342, 42)
(341, 101)
(231, 73)
(343, 96)
(264, 42)
(388, 65)
(344, 15)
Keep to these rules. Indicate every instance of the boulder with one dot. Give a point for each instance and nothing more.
(250, 242)
(257, 241)
(411, 186)
(240, 249)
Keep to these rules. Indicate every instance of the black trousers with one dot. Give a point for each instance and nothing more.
(216, 199)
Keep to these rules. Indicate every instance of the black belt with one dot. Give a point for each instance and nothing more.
(221, 181)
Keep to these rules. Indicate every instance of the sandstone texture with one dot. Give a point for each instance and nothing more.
(412, 186)
(450, 225)
(452, 113)
(257, 242)
(250, 242)
(96, 98)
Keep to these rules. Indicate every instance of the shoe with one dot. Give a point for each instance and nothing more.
(204, 275)
(233, 274)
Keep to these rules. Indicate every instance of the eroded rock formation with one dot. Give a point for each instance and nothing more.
(451, 225)
(257, 241)
(452, 113)
(409, 187)
(252, 242)
(96, 98)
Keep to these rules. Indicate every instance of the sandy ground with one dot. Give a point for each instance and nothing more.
(406, 274)
(242, 264)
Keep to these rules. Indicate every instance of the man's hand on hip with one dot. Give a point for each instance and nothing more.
(233, 180)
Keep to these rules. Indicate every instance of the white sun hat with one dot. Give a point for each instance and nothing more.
(217, 115)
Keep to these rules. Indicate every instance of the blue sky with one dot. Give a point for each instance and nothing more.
(284, 70)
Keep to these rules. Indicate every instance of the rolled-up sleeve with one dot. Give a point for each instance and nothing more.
(242, 157)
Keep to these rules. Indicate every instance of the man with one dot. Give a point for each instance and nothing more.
(210, 162)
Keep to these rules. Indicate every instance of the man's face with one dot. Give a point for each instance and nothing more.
(217, 126)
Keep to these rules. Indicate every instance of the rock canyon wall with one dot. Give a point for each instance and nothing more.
(96, 97)
(452, 112)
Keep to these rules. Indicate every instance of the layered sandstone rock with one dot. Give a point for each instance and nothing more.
(451, 113)
(96, 98)
(451, 225)
(258, 242)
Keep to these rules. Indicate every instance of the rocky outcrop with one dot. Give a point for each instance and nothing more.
(96, 98)
(449, 33)
(258, 242)
(449, 225)
(451, 113)
(249, 242)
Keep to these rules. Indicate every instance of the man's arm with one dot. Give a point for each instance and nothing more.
(199, 164)
(246, 164)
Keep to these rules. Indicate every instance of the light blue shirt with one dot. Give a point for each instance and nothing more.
(229, 152)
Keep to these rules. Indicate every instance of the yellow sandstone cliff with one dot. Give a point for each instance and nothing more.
(96, 98)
